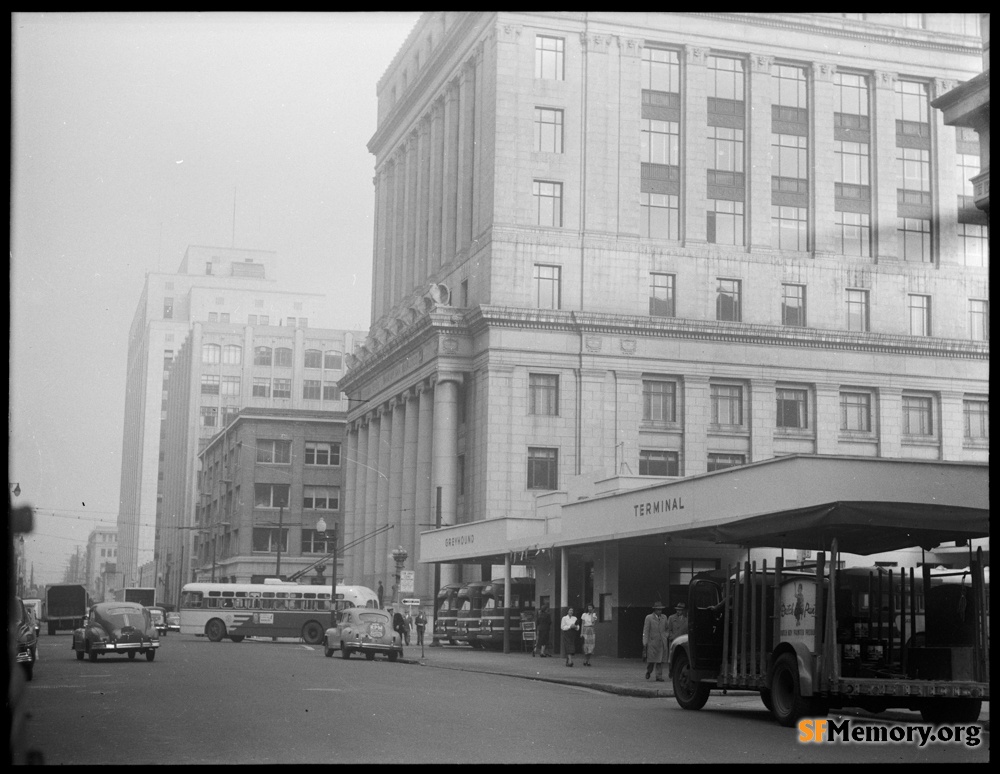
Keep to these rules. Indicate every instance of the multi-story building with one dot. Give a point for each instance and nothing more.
(265, 482)
(220, 304)
(102, 563)
(660, 244)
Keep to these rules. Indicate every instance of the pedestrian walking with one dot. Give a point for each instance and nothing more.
(543, 626)
(408, 623)
(677, 624)
(380, 593)
(399, 626)
(588, 619)
(654, 641)
(570, 626)
(421, 622)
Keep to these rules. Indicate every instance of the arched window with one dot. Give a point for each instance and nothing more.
(262, 356)
(232, 354)
(283, 356)
(333, 360)
(314, 358)
(210, 353)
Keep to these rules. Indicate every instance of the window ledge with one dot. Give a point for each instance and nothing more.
(736, 430)
(663, 427)
(794, 432)
(857, 435)
(920, 440)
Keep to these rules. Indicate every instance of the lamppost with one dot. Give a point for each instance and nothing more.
(398, 556)
(321, 527)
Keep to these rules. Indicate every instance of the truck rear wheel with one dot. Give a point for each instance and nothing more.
(951, 710)
(787, 702)
(690, 695)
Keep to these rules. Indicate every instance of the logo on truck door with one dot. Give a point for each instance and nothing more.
(798, 609)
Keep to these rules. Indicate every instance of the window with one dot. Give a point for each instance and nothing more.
(331, 391)
(968, 168)
(723, 461)
(168, 308)
(333, 360)
(977, 418)
(262, 356)
(231, 385)
(727, 300)
(789, 86)
(857, 310)
(312, 389)
(314, 542)
(313, 358)
(853, 232)
(659, 400)
(725, 78)
(209, 416)
(291, 322)
(659, 216)
(270, 495)
(789, 227)
(543, 468)
(224, 317)
(321, 498)
(210, 384)
(660, 70)
(547, 281)
(793, 305)
(229, 413)
(548, 203)
(265, 319)
(283, 357)
(549, 55)
(266, 539)
(851, 162)
(727, 404)
(282, 388)
(274, 452)
(261, 387)
(979, 319)
(911, 108)
(322, 454)
(213, 316)
(548, 130)
(788, 161)
(920, 315)
(251, 319)
(792, 408)
(543, 394)
(856, 411)
(914, 170)
(210, 354)
(851, 97)
(725, 222)
(660, 142)
(661, 295)
(975, 246)
(917, 415)
(654, 462)
(725, 148)
(232, 354)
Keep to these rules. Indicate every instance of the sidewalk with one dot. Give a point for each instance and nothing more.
(622, 676)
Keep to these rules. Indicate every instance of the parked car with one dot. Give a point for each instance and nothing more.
(173, 622)
(116, 627)
(159, 616)
(363, 630)
(27, 638)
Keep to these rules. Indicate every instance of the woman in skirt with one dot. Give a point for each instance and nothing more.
(569, 628)
(588, 619)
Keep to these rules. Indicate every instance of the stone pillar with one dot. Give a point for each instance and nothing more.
(422, 203)
(369, 578)
(763, 419)
(384, 566)
(449, 204)
(410, 528)
(822, 159)
(952, 425)
(465, 155)
(887, 421)
(349, 462)
(360, 517)
(697, 414)
(694, 145)
(476, 143)
(944, 184)
(409, 243)
(758, 209)
(885, 179)
(399, 261)
(445, 453)
(436, 196)
(827, 418)
(395, 503)
(424, 493)
(379, 276)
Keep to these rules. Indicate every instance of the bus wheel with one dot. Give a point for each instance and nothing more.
(951, 710)
(689, 694)
(131, 655)
(215, 630)
(787, 702)
(150, 654)
(344, 652)
(312, 633)
(237, 637)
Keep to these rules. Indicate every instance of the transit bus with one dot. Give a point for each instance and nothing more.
(446, 613)
(491, 625)
(470, 611)
(271, 609)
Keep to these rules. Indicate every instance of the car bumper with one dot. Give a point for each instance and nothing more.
(176, 628)
(122, 647)
(25, 657)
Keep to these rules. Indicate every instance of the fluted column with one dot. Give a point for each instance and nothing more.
(350, 466)
(694, 141)
(476, 141)
(759, 142)
(409, 228)
(436, 195)
(395, 505)
(360, 518)
(399, 228)
(445, 453)
(423, 510)
(465, 156)
(369, 577)
(423, 202)
(409, 527)
(884, 177)
(449, 208)
(384, 567)
(392, 268)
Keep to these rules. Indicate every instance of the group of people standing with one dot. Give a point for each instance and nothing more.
(570, 627)
(658, 633)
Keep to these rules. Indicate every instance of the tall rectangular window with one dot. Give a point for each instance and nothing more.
(232, 354)
(912, 104)
(231, 386)
(789, 227)
(655, 462)
(543, 394)
(722, 461)
(547, 279)
(918, 415)
(168, 308)
(313, 358)
(659, 142)
(548, 130)
(728, 303)
(979, 319)
(853, 231)
(725, 145)
(920, 314)
(209, 416)
(792, 405)
(210, 384)
(548, 202)
(857, 310)
(789, 84)
(210, 354)
(261, 387)
(851, 162)
(856, 411)
(725, 222)
(659, 216)
(727, 404)
(789, 162)
(793, 305)
(660, 70)
(975, 244)
(283, 357)
(661, 295)
(913, 165)
(659, 400)
(549, 57)
(914, 239)
(282, 388)
(543, 468)
(977, 418)
(725, 79)
(312, 389)
(331, 391)
(262, 356)
(850, 99)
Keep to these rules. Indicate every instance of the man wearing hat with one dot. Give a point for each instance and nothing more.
(654, 641)
(677, 624)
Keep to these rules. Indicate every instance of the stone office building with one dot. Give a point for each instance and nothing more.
(654, 246)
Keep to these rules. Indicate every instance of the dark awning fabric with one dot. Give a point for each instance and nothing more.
(859, 527)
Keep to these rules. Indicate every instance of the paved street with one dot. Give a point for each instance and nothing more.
(283, 702)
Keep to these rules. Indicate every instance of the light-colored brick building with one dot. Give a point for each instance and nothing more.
(659, 245)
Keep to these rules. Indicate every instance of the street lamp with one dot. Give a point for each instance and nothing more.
(398, 556)
(321, 527)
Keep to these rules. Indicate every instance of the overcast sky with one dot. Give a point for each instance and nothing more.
(133, 135)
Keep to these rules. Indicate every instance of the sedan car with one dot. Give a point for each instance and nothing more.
(116, 627)
(159, 616)
(363, 630)
(173, 622)
(27, 638)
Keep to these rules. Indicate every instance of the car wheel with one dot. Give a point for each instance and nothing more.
(237, 637)
(312, 633)
(393, 655)
(131, 655)
(370, 655)
(215, 630)
(690, 695)
(92, 655)
(79, 655)
(150, 654)
(344, 652)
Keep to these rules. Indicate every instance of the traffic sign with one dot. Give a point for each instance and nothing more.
(406, 578)
(411, 602)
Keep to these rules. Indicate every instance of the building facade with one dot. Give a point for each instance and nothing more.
(220, 304)
(659, 245)
(264, 483)
(102, 563)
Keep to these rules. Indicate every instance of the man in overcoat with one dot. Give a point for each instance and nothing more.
(655, 641)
